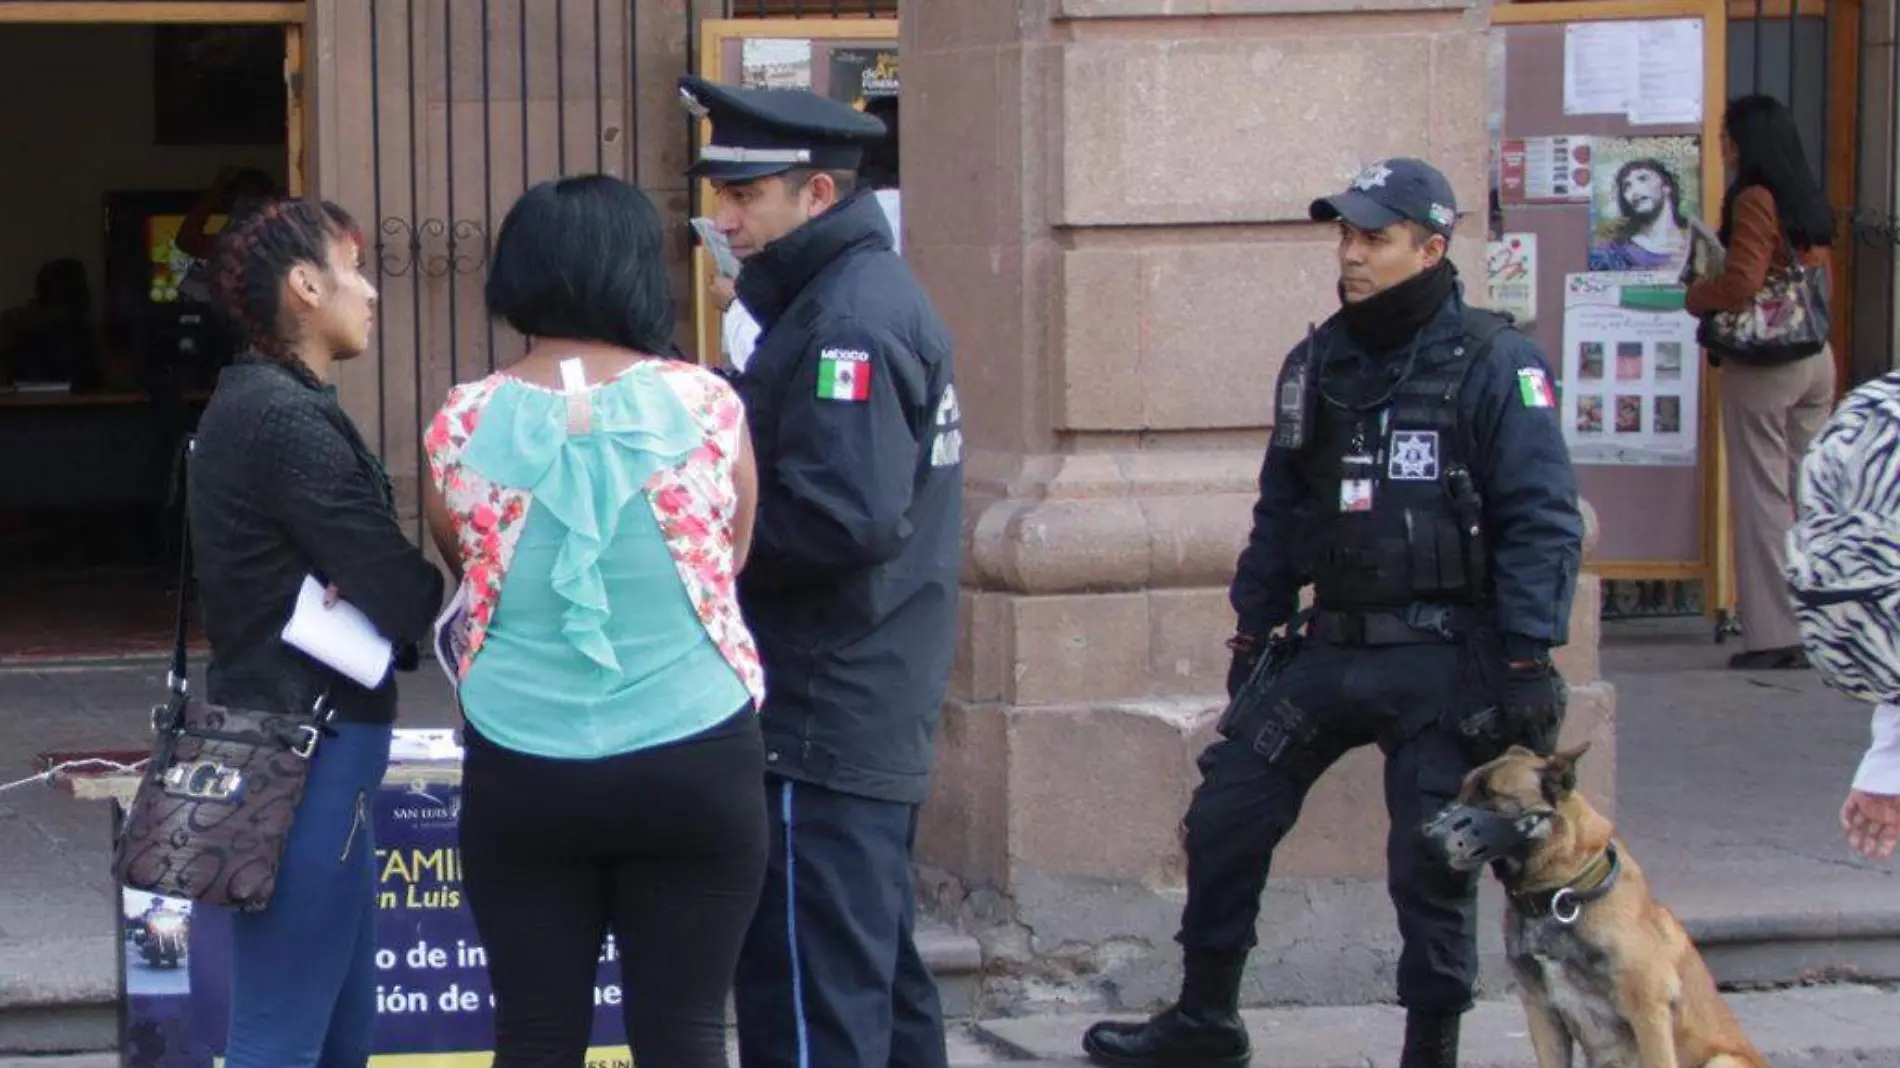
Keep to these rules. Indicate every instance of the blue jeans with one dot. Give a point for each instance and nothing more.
(303, 971)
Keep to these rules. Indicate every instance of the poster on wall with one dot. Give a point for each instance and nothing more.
(434, 1003)
(1545, 170)
(861, 75)
(1631, 370)
(775, 63)
(1645, 192)
(1646, 70)
(1510, 276)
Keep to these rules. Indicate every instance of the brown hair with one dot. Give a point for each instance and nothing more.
(256, 251)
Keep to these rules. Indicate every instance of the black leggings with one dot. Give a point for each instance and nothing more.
(665, 846)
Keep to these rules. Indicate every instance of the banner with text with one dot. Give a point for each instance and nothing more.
(433, 1000)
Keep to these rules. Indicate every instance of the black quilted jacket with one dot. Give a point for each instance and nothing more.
(281, 486)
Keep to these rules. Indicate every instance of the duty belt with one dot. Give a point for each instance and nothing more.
(1419, 624)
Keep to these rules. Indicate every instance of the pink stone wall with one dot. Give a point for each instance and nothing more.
(1109, 207)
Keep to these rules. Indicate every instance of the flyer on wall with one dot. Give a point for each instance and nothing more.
(1645, 193)
(1631, 370)
(1510, 269)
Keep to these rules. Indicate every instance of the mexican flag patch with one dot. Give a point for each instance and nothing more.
(1534, 388)
(844, 375)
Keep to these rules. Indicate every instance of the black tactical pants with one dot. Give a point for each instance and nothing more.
(1395, 696)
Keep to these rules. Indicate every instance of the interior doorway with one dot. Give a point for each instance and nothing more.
(150, 122)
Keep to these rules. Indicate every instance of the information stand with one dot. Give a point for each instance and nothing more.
(1584, 94)
(433, 998)
(844, 58)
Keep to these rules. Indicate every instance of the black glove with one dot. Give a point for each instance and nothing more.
(1532, 704)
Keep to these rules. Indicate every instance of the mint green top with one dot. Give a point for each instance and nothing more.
(594, 647)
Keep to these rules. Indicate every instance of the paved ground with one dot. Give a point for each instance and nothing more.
(1729, 788)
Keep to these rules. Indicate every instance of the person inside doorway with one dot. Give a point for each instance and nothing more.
(1771, 406)
(50, 337)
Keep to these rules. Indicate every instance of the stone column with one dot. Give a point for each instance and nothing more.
(1107, 199)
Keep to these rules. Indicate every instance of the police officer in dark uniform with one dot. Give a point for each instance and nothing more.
(1418, 478)
(851, 586)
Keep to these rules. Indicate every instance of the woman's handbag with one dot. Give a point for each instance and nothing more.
(1787, 319)
(215, 807)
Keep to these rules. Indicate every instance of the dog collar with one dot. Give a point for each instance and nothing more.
(1565, 903)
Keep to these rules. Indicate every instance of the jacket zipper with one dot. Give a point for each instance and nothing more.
(357, 819)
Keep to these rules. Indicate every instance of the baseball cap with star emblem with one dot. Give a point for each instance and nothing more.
(1390, 191)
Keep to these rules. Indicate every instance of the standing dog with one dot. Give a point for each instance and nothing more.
(1598, 961)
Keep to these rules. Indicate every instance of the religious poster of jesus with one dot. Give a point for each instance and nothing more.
(1645, 191)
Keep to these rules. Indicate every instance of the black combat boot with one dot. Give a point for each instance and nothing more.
(1202, 1030)
(1431, 1040)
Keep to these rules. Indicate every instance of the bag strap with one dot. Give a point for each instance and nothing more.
(178, 677)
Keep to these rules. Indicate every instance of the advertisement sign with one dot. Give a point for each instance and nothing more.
(433, 1000)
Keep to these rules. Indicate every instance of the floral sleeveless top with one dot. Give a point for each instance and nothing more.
(685, 470)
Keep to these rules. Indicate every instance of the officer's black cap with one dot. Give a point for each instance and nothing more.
(762, 132)
(1391, 191)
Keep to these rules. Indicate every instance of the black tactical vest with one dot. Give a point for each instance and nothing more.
(1395, 518)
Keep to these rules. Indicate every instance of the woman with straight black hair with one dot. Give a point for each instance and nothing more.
(1773, 215)
(597, 499)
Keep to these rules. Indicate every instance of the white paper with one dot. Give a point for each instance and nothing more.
(1600, 67)
(413, 745)
(716, 243)
(1511, 275)
(340, 636)
(1669, 72)
(451, 635)
(775, 63)
(1631, 374)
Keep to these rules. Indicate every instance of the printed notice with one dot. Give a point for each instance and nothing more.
(774, 63)
(1669, 73)
(1511, 275)
(1600, 67)
(1631, 374)
(1545, 170)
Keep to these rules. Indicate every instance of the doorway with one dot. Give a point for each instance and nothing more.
(107, 348)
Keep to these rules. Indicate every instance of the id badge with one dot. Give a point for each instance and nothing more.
(1355, 495)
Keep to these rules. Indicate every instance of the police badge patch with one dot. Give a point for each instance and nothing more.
(1413, 456)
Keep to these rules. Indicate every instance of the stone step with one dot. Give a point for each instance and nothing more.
(1804, 1027)
(60, 996)
(1755, 935)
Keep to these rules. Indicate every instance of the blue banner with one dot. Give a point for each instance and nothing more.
(434, 1003)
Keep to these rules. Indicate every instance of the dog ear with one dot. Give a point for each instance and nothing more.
(1560, 772)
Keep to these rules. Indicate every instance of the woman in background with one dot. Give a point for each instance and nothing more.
(598, 498)
(1773, 214)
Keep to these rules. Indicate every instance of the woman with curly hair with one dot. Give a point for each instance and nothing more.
(282, 487)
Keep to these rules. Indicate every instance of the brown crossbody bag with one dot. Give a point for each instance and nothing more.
(223, 785)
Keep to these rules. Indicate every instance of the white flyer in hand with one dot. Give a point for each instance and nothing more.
(723, 260)
(339, 635)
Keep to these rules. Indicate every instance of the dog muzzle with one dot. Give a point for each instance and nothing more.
(1469, 837)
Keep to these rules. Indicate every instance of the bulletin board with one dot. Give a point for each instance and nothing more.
(817, 54)
(1639, 401)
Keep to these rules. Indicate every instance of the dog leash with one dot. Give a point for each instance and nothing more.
(1565, 903)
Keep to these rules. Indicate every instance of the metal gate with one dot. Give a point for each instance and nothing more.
(449, 110)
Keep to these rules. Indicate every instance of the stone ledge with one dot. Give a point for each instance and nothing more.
(1117, 521)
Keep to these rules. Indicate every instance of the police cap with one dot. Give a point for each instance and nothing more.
(1390, 191)
(761, 132)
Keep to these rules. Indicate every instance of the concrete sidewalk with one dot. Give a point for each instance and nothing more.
(1729, 789)
(1814, 1028)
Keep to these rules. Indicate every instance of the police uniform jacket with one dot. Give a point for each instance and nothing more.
(1507, 423)
(851, 586)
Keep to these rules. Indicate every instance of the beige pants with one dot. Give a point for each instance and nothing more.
(1769, 415)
